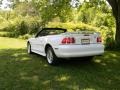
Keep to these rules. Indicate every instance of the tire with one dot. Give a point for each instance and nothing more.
(29, 48)
(51, 57)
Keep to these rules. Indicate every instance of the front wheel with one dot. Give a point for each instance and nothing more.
(51, 57)
(29, 48)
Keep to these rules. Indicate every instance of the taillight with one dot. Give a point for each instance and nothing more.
(68, 40)
(99, 39)
(64, 41)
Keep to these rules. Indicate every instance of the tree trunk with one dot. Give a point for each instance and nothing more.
(117, 36)
(115, 4)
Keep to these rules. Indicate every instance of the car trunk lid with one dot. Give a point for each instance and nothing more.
(84, 38)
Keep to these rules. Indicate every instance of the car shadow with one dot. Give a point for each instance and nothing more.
(31, 72)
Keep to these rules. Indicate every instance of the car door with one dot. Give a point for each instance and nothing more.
(38, 44)
(39, 41)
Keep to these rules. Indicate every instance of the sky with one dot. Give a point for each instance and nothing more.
(5, 5)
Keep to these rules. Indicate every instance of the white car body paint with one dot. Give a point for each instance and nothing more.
(76, 49)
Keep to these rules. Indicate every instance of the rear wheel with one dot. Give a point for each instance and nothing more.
(51, 57)
(29, 48)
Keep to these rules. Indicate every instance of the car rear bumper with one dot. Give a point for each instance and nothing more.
(69, 51)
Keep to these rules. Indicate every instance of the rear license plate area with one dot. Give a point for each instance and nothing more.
(85, 41)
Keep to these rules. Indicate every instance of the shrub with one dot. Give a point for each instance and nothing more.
(26, 36)
(21, 26)
(110, 42)
(71, 25)
(33, 24)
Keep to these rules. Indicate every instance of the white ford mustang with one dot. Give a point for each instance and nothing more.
(57, 43)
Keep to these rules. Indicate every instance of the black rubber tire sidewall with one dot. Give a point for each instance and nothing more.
(28, 44)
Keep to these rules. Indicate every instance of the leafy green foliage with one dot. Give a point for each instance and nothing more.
(28, 16)
(21, 26)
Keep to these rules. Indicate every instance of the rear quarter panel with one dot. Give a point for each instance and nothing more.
(53, 40)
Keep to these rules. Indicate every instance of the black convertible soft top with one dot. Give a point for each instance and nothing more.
(54, 29)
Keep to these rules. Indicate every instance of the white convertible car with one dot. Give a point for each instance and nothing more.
(57, 43)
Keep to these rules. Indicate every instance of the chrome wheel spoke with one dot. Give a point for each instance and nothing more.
(50, 56)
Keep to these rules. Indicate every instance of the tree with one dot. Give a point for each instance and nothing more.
(115, 4)
(50, 9)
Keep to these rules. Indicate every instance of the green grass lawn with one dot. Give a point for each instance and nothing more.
(20, 71)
